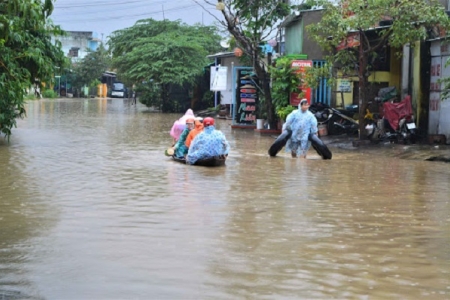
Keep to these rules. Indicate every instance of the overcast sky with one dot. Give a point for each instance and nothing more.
(106, 16)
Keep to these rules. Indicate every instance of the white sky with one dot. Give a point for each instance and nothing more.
(106, 16)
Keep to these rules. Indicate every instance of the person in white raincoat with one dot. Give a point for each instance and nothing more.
(301, 122)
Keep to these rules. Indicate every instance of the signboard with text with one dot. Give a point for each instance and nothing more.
(345, 86)
(246, 97)
(218, 78)
(301, 66)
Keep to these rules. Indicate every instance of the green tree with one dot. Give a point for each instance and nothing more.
(252, 23)
(91, 67)
(285, 80)
(27, 54)
(411, 20)
(150, 94)
(165, 53)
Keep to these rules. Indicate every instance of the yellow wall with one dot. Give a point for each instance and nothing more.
(348, 96)
(416, 87)
(396, 70)
(393, 78)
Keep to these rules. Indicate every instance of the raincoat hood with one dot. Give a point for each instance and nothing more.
(180, 124)
(188, 115)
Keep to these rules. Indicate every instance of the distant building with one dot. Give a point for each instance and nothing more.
(76, 43)
(296, 39)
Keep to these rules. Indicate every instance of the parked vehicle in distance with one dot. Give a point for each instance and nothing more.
(119, 90)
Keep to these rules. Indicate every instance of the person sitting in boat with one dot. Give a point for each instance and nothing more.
(180, 124)
(180, 149)
(209, 143)
(194, 132)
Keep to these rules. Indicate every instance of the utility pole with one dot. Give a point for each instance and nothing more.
(164, 18)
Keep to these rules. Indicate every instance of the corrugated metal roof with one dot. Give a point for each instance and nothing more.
(296, 16)
(291, 19)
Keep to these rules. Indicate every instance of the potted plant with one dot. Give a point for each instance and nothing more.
(283, 112)
(261, 114)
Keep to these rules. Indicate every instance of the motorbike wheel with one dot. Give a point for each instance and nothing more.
(334, 129)
(410, 136)
(375, 138)
(407, 141)
(415, 135)
(339, 126)
(377, 135)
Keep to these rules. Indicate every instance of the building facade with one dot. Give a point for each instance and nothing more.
(296, 42)
(76, 44)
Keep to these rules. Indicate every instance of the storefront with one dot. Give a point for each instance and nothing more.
(439, 109)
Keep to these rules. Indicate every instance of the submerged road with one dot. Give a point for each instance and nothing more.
(90, 208)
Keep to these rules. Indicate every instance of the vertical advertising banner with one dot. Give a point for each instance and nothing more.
(301, 66)
(246, 98)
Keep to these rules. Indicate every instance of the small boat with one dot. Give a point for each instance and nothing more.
(215, 161)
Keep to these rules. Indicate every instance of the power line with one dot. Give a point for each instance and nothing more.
(103, 3)
(94, 4)
(122, 16)
(91, 11)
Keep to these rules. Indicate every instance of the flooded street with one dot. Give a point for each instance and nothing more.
(90, 208)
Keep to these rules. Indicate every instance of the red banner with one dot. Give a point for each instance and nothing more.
(301, 66)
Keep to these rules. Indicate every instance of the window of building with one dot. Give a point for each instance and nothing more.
(73, 52)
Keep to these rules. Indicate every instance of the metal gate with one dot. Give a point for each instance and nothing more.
(322, 93)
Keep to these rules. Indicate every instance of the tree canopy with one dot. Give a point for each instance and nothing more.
(27, 54)
(163, 52)
(408, 21)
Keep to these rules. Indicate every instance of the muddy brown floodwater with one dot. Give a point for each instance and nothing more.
(90, 208)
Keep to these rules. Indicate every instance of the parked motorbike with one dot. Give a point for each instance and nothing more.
(337, 121)
(396, 125)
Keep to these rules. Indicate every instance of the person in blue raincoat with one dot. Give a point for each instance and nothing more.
(209, 143)
(301, 122)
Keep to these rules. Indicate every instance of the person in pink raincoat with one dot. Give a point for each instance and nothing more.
(180, 124)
